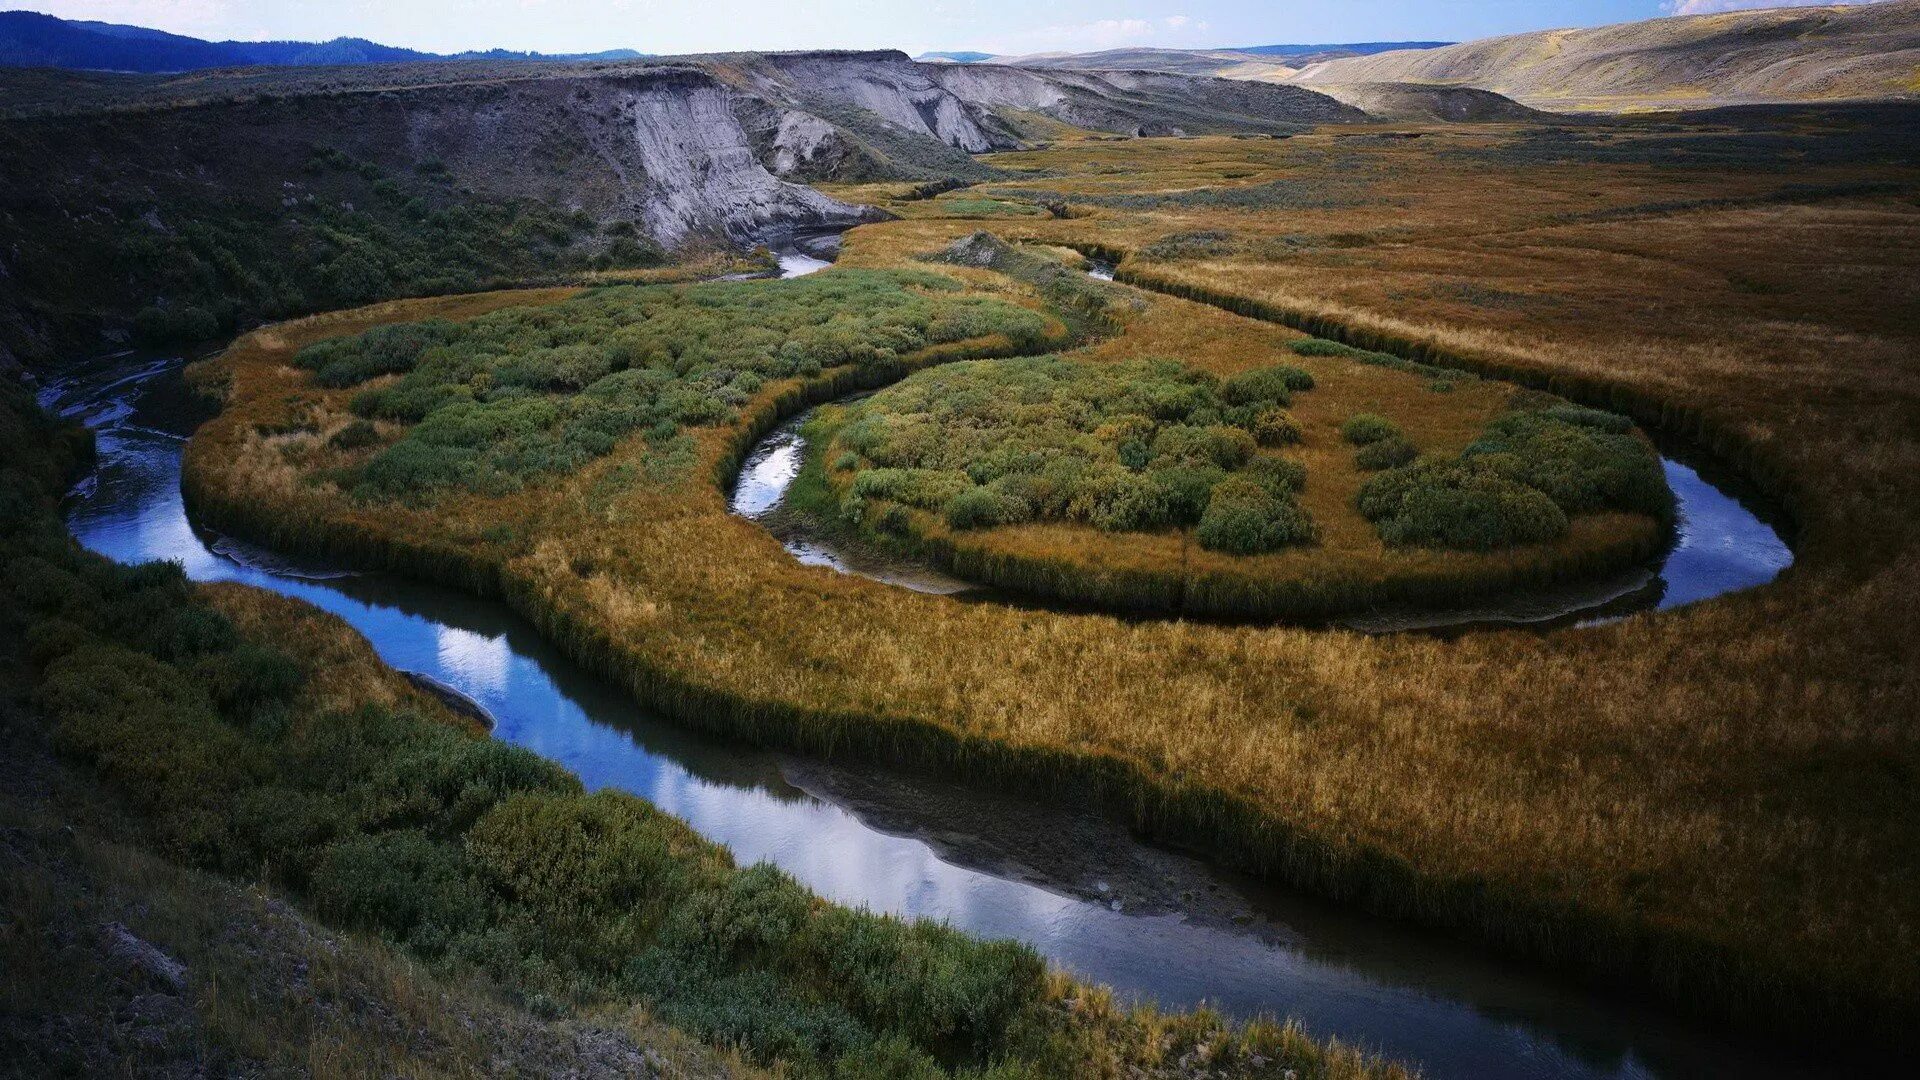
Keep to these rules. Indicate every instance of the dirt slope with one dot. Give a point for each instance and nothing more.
(1865, 51)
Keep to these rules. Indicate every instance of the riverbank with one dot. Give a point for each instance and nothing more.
(1666, 803)
(206, 708)
(689, 587)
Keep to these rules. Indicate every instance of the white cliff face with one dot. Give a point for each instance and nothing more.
(1000, 86)
(800, 140)
(700, 174)
(662, 148)
(901, 93)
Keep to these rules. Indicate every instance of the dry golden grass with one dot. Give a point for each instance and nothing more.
(1713, 804)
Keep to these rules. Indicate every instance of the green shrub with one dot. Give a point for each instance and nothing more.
(1457, 505)
(978, 507)
(927, 489)
(1388, 453)
(1275, 427)
(1265, 386)
(1362, 429)
(1278, 475)
(1245, 518)
(354, 436)
(519, 394)
(1130, 446)
(403, 885)
(1583, 459)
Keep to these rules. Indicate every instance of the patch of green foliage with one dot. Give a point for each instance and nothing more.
(1363, 429)
(502, 400)
(1388, 453)
(1520, 482)
(1131, 446)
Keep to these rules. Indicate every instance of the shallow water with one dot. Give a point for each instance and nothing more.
(1152, 923)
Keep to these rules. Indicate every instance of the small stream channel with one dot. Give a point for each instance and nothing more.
(1151, 922)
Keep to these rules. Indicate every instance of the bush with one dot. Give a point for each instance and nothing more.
(404, 885)
(1275, 427)
(1278, 475)
(1362, 429)
(355, 435)
(1126, 446)
(1265, 386)
(1388, 453)
(978, 507)
(156, 325)
(1457, 505)
(1245, 518)
(1583, 459)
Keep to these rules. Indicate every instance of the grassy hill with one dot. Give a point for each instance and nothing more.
(1855, 52)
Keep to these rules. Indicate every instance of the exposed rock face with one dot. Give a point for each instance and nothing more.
(884, 86)
(661, 147)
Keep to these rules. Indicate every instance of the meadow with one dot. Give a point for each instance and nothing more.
(1710, 806)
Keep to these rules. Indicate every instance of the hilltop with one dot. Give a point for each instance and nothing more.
(1779, 55)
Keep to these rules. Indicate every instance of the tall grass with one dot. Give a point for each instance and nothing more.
(256, 737)
(1704, 806)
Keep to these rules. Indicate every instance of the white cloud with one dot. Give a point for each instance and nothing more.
(1709, 7)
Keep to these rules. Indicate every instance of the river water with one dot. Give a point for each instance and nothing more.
(1153, 923)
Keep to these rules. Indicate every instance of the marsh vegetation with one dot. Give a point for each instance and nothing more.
(1667, 801)
(259, 739)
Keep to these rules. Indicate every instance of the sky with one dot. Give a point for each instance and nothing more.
(996, 26)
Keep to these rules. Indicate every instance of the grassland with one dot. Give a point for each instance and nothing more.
(1712, 805)
(508, 918)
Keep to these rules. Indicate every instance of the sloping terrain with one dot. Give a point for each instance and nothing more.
(1427, 101)
(1251, 62)
(1867, 51)
(201, 200)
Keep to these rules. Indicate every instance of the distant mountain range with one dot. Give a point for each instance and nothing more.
(30, 39)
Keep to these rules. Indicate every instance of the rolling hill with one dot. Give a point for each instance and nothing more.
(1778, 55)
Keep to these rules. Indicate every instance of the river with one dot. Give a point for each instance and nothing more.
(1095, 900)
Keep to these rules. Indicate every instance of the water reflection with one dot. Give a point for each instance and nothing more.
(1066, 879)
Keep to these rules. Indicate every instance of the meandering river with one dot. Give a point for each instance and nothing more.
(1151, 922)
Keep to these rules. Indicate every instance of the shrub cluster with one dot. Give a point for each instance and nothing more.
(526, 392)
(1520, 482)
(1130, 446)
(1382, 444)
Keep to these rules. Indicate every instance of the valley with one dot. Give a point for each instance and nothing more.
(990, 569)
